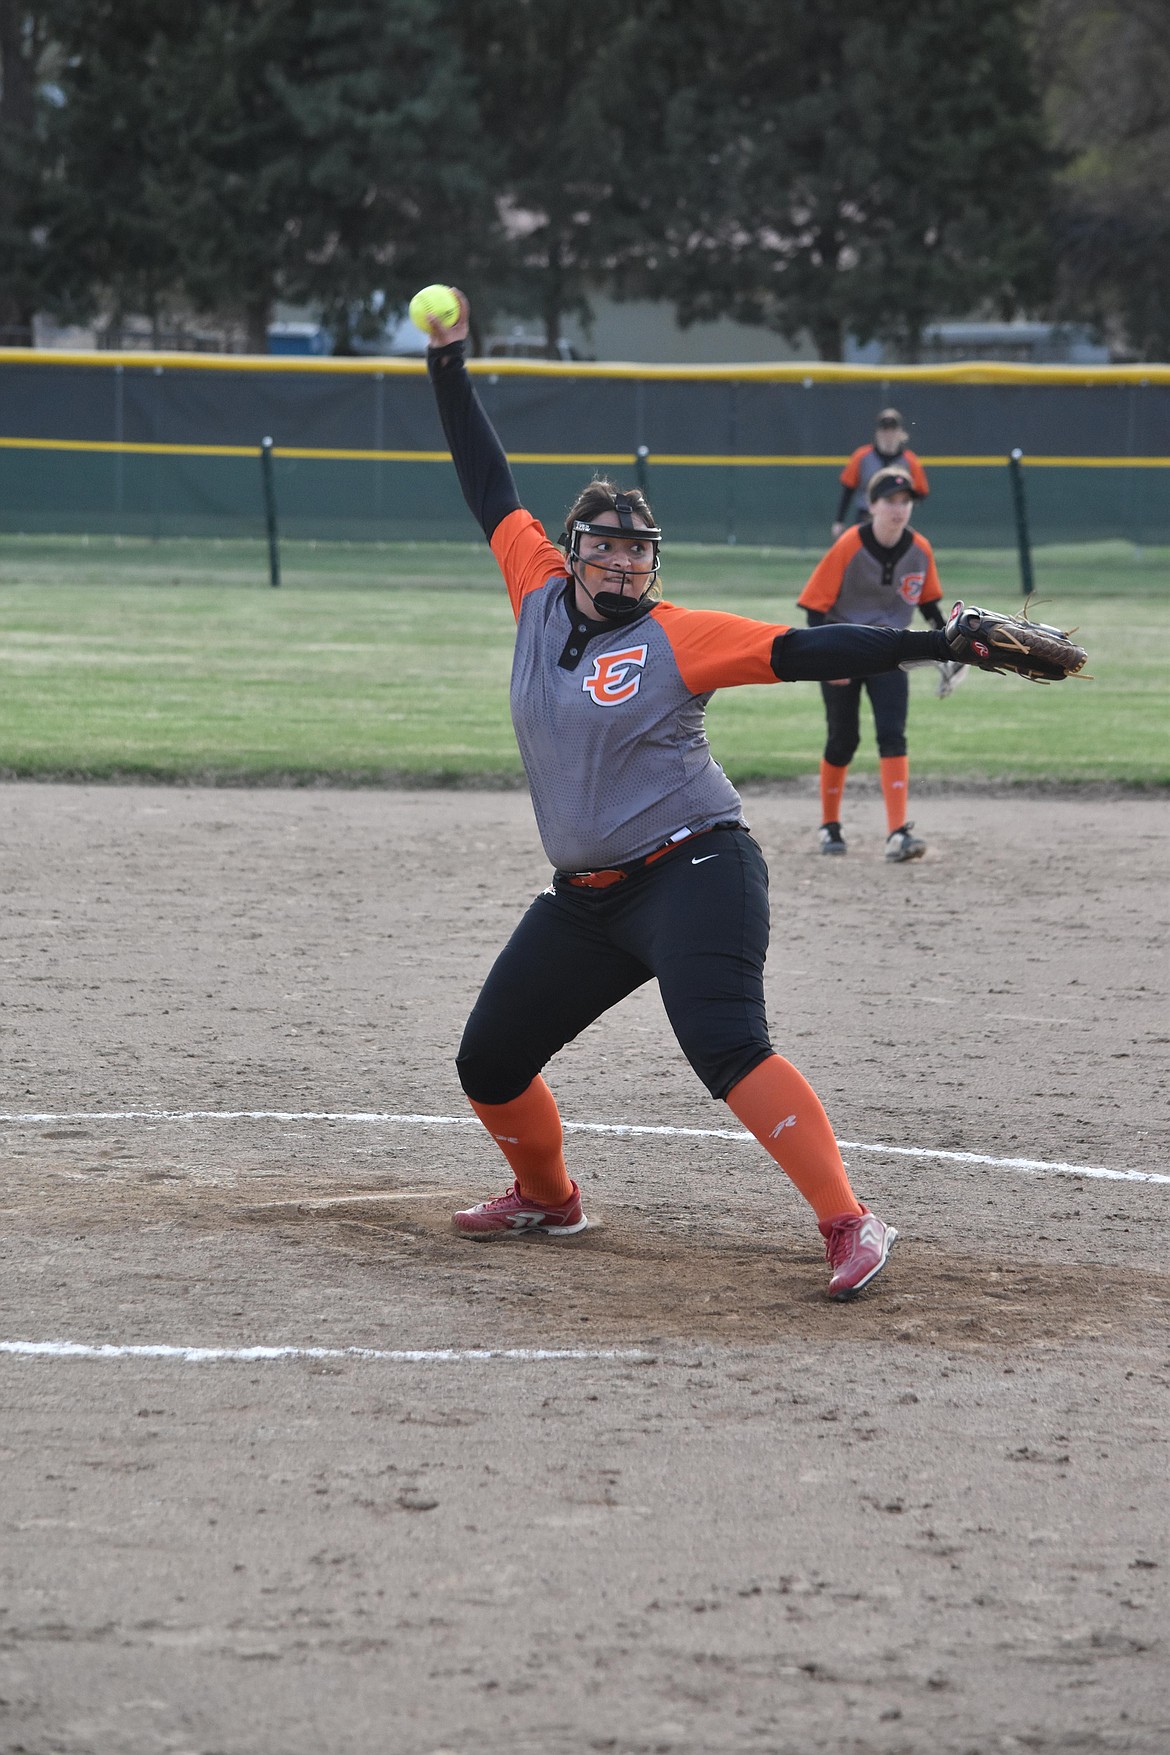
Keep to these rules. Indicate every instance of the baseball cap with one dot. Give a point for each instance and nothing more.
(887, 482)
(889, 417)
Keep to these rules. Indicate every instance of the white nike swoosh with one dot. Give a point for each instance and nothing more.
(704, 859)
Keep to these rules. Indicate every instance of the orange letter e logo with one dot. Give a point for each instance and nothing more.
(617, 676)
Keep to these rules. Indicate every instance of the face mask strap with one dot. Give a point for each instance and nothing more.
(611, 605)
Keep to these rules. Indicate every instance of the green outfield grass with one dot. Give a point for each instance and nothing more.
(174, 660)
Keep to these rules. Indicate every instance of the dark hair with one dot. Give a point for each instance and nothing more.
(598, 496)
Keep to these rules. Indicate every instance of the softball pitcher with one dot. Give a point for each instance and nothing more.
(656, 875)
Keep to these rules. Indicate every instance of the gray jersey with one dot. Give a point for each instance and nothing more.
(864, 464)
(854, 584)
(611, 725)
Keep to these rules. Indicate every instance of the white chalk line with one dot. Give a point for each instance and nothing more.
(379, 1118)
(270, 1355)
(313, 1203)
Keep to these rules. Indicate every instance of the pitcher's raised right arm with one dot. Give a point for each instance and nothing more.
(479, 458)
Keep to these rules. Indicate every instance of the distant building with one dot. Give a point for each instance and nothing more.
(519, 344)
(135, 333)
(299, 338)
(1029, 344)
(646, 332)
(639, 331)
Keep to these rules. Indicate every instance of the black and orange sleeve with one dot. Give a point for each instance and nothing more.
(852, 649)
(932, 588)
(917, 475)
(526, 557)
(715, 650)
(480, 461)
(851, 474)
(824, 584)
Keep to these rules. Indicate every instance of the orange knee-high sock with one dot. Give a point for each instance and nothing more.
(528, 1132)
(778, 1105)
(832, 788)
(896, 789)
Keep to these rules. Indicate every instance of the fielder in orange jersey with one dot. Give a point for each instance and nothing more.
(655, 873)
(888, 450)
(877, 573)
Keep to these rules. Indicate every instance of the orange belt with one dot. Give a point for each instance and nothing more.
(602, 880)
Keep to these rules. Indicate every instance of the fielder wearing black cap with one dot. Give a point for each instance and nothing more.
(886, 450)
(877, 573)
(890, 481)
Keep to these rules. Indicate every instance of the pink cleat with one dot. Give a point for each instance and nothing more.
(513, 1214)
(856, 1247)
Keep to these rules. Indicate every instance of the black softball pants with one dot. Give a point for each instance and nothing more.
(889, 696)
(696, 921)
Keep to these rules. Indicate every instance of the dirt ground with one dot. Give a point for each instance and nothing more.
(933, 1520)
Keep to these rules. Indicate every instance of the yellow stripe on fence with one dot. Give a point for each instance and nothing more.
(579, 459)
(124, 447)
(137, 448)
(805, 372)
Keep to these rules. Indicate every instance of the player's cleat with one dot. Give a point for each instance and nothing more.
(902, 845)
(856, 1247)
(513, 1214)
(832, 840)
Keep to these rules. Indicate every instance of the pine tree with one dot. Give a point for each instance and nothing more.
(110, 213)
(24, 161)
(1106, 68)
(857, 170)
(568, 100)
(243, 151)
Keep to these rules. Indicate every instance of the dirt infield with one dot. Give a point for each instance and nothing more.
(933, 1520)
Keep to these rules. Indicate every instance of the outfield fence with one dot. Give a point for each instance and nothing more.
(170, 445)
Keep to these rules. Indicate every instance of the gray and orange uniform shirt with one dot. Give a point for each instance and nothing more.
(609, 715)
(860, 470)
(861, 580)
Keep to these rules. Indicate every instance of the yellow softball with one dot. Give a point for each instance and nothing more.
(436, 302)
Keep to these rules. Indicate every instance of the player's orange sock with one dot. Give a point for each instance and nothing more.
(896, 789)
(778, 1105)
(528, 1132)
(832, 790)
